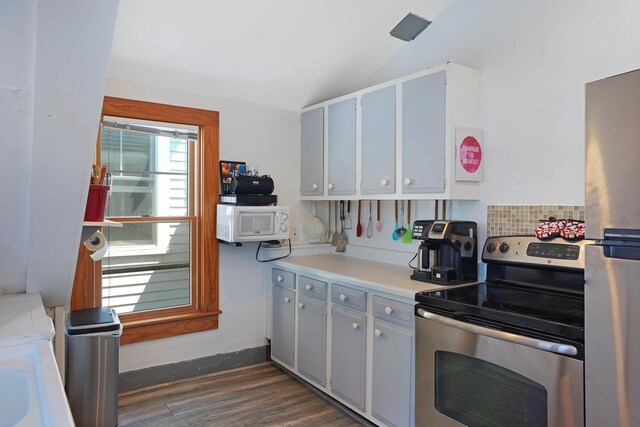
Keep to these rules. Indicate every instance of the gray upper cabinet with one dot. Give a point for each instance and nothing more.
(348, 355)
(400, 139)
(378, 141)
(283, 334)
(312, 338)
(312, 152)
(392, 387)
(423, 134)
(342, 148)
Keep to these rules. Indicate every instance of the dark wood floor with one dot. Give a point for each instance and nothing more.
(260, 395)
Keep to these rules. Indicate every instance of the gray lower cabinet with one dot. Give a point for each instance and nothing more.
(312, 339)
(283, 333)
(348, 355)
(392, 374)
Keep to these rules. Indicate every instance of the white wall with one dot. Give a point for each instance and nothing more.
(55, 57)
(535, 58)
(263, 136)
(18, 50)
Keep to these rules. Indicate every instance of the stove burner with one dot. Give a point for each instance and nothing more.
(568, 314)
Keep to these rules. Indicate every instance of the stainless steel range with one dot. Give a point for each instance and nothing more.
(508, 351)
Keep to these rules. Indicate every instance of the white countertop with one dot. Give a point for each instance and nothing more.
(377, 276)
(22, 317)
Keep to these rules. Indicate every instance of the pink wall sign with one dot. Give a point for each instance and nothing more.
(470, 154)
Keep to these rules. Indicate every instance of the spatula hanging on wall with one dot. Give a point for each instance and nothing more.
(407, 236)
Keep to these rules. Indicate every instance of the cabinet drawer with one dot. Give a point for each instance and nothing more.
(283, 278)
(312, 287)
(393, 311)
(349, 297)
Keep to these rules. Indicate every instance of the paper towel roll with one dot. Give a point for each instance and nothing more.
(97, 243)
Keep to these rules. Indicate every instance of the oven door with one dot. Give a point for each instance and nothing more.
(472, 375)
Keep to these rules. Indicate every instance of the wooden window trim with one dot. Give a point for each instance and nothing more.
(203, 313)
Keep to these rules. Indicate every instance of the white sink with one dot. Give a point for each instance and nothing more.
(31, 392)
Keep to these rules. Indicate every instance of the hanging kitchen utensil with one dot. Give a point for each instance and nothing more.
(370, 223)
(313, 227)
(328, 234)
(348, 224)
(407, 236)
(378, 223)
(359, 226)
(341, 245)
(336, 235)
(401, 231)
(394, 233)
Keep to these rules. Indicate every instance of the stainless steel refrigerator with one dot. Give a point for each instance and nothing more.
(612, 290)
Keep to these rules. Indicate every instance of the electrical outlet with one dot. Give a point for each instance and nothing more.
(294, 233)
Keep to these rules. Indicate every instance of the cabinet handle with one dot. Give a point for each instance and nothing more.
(300, 305)
(280, 279)
(309, 287)
(314, 186)
(388, 310)
(384, 182)
(378, 332)
(408, 181)
(286, 299)
(343, 297)
(330, 186)
(354, 325)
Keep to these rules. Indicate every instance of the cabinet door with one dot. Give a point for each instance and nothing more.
(312, 339)
(423, 134)
(342, 147)
(282, 336)
(312, 152)
(378, 141)
(392, 387)
(348, 355)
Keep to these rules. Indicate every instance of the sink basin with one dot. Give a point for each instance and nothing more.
(31, 393)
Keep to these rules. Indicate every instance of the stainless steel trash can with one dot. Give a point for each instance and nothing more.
(92, 351)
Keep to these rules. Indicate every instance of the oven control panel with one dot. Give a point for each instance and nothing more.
(531, 250)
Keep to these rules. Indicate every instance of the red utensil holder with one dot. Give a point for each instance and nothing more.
(96, 202)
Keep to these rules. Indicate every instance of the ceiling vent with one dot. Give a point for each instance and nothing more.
(410, 27)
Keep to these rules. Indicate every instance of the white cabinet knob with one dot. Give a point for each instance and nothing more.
(286, 299)
(314, 186)
(343, 297)
(300, 305)
(354, 325)
(280, 279)
(408, 181)
(330, 186)
(309, 287)
(388, 310)
(378, 332)
(384, 182)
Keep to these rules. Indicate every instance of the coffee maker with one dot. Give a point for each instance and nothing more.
(448, 254)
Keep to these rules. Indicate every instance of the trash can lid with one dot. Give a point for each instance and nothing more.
(92, 320)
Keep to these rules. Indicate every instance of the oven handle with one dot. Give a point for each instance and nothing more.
(565, 349)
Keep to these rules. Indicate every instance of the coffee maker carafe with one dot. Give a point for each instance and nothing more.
(448, 254)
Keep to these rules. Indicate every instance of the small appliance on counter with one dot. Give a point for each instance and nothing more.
(448, 254)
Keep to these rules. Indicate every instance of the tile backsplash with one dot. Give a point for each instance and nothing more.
(505, 220)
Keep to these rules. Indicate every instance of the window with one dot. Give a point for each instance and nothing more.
(160, 272)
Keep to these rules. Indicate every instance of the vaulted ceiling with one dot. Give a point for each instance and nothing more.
(284, 53)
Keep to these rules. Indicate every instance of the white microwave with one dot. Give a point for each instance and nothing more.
(236, 224)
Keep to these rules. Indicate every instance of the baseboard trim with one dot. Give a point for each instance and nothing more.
(155, 375)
